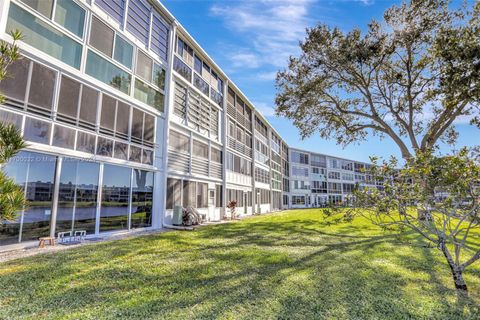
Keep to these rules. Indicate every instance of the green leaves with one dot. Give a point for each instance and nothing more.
(423, 59)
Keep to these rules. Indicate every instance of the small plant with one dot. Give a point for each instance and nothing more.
(232, 205)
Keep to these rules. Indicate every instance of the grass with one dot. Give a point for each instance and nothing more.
(290, 265)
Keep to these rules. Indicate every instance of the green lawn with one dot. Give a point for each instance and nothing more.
(286, 265)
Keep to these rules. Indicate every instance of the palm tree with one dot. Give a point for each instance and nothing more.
(12, 198)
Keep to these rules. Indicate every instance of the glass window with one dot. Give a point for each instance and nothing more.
(34, 172)
(108, 73)
(115, 198)
(123, 119)
(85, 142)
(77, 196)
(201, 84)
(135, 154)
(144, 66)
(216, 155)
(158, 76)
(44, 37)
(42, 87)
(107, 117)
(142, 197)
(7, 117)
(68, 98)
(182, 69)
(197, 65)
(174, 193)
(123, 52)
(121, 150)
(63, 137)
(202, 189)
(149, 128)
(147, 157)
(71, 16)
(179, 142)
(189, 194)
(104, 147)
(200, 149)
(42, 6)
(88, 106)
(101, 36)
(14, 85)
(148, 95)
(37, 130)
(137, 125)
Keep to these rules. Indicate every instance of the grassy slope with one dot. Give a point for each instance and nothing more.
(288, 265)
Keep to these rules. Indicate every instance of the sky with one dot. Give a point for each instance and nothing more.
(252, 39)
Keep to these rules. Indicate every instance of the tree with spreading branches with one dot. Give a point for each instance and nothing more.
(408, 78)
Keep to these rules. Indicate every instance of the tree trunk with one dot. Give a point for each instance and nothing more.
(457, 272)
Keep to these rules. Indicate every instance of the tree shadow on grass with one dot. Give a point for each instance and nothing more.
(291, 269)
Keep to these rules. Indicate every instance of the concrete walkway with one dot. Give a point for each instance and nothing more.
(34, 249)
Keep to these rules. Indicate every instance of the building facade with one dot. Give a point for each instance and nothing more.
(127, 118)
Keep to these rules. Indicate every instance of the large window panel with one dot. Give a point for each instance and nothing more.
(149, 129)
(71, 16)
(115, 198)
(135, 154)
(107, 117)
(107, 72)
(137, 125)
(142, 198)
(182, 69)
(42, 6)
(85, 142)
(122, 127)
(77, 196)
(158, 76)
(121, 150)
(42, 88)
(37, 130)
(200, 149)
(7, 117)
(63, 137)
(123, 52)
(14, 85)
(104, 147)
(202, 196)
(88, 107)
(16, 169)
(101, 36)
(144, 66)
(148, 95)
(39, 194)
(179, 142)
(44, 37)
(174, 193)
(147, 157)
(68, 99)
(189, 194)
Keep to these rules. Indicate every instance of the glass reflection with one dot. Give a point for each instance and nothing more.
(77, 196)
(142, 195)
(115, 198)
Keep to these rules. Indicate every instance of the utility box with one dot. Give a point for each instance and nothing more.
(177, 218)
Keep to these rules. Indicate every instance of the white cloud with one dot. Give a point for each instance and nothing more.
(273, 27)
(265, 109)
(267, 76)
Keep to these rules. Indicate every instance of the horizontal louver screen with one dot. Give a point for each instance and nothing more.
(114, 8)
(138, 20)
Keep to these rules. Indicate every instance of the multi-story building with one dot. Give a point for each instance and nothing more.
(127, 118)
(318, 179)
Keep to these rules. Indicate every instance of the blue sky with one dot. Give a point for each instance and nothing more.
(252, 39)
